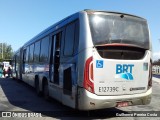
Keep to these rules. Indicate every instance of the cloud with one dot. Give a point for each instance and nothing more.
(156, 56)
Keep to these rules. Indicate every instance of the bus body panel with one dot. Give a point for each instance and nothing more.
(85, 46)
(120, 77)
(90, 101)
(113, 79)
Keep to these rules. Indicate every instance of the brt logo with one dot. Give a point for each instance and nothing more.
(124, 71)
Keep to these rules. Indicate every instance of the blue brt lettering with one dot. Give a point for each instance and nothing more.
(125, 68)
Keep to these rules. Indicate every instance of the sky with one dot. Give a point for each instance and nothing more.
(21, 20)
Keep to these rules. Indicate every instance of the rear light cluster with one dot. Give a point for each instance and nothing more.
(88, 75)
(150, 76)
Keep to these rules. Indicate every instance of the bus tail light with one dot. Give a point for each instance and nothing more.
(88, 75)
(150, 76)
(91, 71)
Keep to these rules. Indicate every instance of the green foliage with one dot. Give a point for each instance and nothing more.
(5, 52)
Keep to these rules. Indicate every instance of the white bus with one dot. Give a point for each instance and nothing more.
(90, 60)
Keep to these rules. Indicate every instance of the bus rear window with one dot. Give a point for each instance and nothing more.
(116, 29)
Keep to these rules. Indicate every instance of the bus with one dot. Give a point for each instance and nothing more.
(6, 64)
(90, 60)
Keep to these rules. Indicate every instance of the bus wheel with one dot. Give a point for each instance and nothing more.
(37, 87)
(46, 91)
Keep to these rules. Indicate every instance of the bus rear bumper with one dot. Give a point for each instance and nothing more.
(90, 101)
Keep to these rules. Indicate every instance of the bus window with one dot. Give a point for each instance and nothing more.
(31, 53)
(76, 42)
(69, 40)
(44, 49)
(36, 52)
(24, 60)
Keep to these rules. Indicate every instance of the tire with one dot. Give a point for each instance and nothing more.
(37, 87)
(46, 91)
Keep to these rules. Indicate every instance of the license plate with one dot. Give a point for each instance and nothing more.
(122, 104)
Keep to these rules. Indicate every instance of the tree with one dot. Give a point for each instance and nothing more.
(5, 51)
(156, 62)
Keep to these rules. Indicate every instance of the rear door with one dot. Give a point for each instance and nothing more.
(55, 58)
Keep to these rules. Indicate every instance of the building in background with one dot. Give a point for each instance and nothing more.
(156, 69)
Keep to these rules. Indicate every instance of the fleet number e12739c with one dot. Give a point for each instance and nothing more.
(108, 89)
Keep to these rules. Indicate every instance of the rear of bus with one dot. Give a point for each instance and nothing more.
(117, 61)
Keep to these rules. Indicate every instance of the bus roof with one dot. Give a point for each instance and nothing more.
(89, 10)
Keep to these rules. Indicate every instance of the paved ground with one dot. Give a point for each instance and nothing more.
(15, 96)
